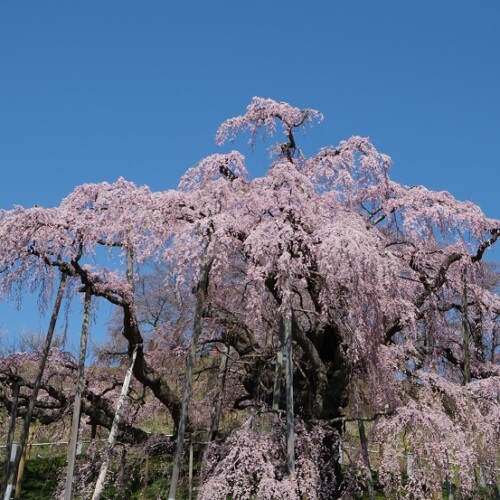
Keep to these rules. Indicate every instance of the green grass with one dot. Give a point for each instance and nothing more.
(141, 479)
(144, 479)
(40, 477)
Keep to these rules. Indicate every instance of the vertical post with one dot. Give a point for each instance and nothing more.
(449, 488)
(409, 464)
(277, 377)
(287, 348)
(190, 493)
(75, 423)
(217, 401)
(217, 404)
(494, 485)
(364, 443)
(114, 427)
(465, 332)
(8, 492)
(495, 342)
(366, 457)
(22, 462)
(123, 394)
(482, 478)
(201, 294)
(36, 386)
(11, 446)
(449, 483)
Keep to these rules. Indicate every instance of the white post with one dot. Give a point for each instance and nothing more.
(75, 424)
(13, 452)
(10, 454)
(190, 493)
(409, 464)
(482, 478)
(8, 491)
(12, 459)
(114, 428)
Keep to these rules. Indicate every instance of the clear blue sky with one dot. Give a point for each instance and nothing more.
(94, 90)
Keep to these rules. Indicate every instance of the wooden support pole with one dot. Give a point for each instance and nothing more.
(38, 380)
(75, 423)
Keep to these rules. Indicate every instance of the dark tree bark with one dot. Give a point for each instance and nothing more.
(217, 401)
(144, 372)
(290, 426)
(466, 333)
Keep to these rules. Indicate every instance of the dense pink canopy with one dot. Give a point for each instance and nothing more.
(375, 273)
